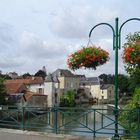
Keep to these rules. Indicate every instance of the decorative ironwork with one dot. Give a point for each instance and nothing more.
(87, 121)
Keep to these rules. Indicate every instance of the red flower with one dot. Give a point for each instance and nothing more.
(89, 57)
(131, 54)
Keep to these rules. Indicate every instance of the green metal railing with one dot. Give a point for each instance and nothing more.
(77, 121)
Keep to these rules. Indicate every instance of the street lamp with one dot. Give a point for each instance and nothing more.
(116, 46)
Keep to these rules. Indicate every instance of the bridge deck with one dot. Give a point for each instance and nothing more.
(10, 134)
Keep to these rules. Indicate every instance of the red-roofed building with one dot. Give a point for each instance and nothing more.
(31, 90)
(34, 84)
(13, 88)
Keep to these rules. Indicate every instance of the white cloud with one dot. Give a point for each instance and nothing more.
(6, 35)
(9, 62)
(36, 48)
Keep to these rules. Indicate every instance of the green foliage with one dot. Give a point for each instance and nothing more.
(5, 76)
(129, 118)
(25, 75)
(40, 73)
(68, 100)
(123, 83)
(134, 80)
(107, 78)
(132, 38)
(2, 92)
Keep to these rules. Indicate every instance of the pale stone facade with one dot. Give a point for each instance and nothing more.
(67, 80)
(107, 92)
(37, 88)
(101, 92)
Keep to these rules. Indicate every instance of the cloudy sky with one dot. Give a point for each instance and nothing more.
(37, 33)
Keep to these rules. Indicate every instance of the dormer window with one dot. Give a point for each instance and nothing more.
(60, 74)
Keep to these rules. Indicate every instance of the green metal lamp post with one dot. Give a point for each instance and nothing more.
(116, 47)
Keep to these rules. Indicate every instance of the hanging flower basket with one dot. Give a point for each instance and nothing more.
(131, 53)
(88, 57)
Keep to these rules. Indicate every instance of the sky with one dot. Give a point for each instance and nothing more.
(37, 33)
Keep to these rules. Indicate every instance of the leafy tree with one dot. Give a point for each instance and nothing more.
(25, 75)
(40, 73)
(123, 83)
(129, 117)
(107, 78)
(68, 100)
(2, 92)
(5, 76)
(131, 56)
(134, 80)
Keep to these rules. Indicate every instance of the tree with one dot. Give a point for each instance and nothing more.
(26, 75)
(123, 83)
(5, 76)
(68, 100)
(134, 80)
(40, 73)
(107, 78)
(129, 116)
(131, 57)
(2, 92)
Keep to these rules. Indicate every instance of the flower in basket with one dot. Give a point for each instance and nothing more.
(131, 54)
(88, 57)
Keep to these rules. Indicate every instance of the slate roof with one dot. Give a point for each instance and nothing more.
(106, 86)
(89, 81)
(63, 72)
(51, 78)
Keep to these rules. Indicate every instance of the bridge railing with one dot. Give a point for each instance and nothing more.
(76, 121)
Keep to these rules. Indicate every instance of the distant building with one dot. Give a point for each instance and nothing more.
(91, 85)
(99, 91)
(107, 92)
(30, 89)
(13, 75)
(52, 90)
(67, 80)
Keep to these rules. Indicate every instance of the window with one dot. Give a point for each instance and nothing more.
(84, 84)
(55, 95)
(71, 85)
(40, 90)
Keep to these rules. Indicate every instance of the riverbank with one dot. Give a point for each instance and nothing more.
(12, 134)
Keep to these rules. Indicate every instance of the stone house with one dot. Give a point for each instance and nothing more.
(52, 90)
(107, 93)
(91, 85)
(67, 80)
(29, 90)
